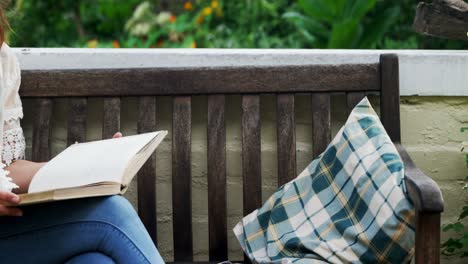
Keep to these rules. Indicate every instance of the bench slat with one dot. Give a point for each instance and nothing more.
(352, 99)
(200, 80)
(286, 138)
(41, 130)
(251, 155)
(321, 122)
(390, 95)
(181, 178)
(77, 113)
(216, 130)
(147, 175)
(111, 117)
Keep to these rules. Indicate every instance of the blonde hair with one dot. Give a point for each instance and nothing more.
(4, 26)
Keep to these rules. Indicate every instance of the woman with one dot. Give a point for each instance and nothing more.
(94, 230)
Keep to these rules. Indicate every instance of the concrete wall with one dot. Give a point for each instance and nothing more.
(430, 132)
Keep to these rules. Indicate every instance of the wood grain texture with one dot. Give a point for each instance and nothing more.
(427, 238)
(77, 115)
(352, 99)
(286, 138)
(217, 211)
(446, 19)
(390, 95)
(321, 122)
(111, 116)
(41, 130)
(182, 178)
(193, 81)
(147, 174)
(251, 153)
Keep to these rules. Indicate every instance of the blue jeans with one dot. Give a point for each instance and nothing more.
(93, 230)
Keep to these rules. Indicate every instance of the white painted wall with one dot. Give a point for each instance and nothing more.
(422, 72)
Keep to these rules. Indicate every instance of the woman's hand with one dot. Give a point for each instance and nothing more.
(22, 172)
(117, 135)
(9, 198)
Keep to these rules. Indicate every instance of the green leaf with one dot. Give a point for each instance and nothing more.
(447, 243)
(343, 34)
(311, 39)
(340, 7)
(378, 27)
(306, 23)
(464, 240)
(464, 213)
(318, 9)
(348, 8)
(458, 227)
(360, 8)
(450, 250)
(152, 38)
(187, 42)
(271, 8)
(447, 227)
(336, 7)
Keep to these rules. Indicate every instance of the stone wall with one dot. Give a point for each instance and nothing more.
(430, 132)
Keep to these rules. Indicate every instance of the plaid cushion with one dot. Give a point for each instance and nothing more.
(348, 205)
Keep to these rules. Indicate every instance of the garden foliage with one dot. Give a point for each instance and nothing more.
(219, 24)
(457, 243)
(342, 23)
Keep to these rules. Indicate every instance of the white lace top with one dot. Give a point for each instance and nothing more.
(12, 144)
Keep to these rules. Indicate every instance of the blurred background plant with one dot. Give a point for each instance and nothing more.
(219, 24)
(255, 24)
(149, 29)
(342, 24)
(49, 23)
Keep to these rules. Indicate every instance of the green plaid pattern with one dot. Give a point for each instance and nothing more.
(348, 205)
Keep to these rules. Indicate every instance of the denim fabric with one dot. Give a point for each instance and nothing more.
(92, 230)
(94, 257)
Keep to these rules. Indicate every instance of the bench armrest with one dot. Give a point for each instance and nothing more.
(423, 191)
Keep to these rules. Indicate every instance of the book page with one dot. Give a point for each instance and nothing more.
(141, 157)
(87, 163)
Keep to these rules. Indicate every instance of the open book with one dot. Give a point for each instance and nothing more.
(96, 168)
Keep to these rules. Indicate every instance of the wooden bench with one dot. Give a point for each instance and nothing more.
(320, 81)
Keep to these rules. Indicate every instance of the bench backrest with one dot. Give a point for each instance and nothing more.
(321, 81)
